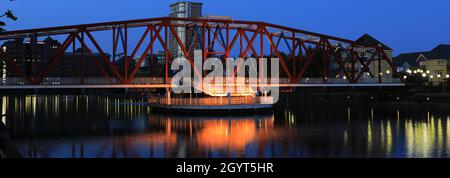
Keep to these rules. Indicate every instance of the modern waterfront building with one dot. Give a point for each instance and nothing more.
(184, 10)
(31, 58)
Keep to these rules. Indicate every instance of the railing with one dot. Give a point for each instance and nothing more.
(160, 80)
(211, 101)
(86, 81)
(385, 80)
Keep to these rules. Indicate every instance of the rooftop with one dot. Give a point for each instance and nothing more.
(368, 40)
(180, 2)
(441, 51)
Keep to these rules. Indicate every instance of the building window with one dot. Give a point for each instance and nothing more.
(438, 72)
(441, 63)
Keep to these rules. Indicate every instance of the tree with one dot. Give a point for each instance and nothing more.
(8, 15)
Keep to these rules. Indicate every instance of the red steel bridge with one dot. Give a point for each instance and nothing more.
(300, 52)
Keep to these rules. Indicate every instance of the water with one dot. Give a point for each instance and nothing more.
(98, 126)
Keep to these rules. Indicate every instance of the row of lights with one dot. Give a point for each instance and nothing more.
(381, 73)
(425, 74)
(409, 71)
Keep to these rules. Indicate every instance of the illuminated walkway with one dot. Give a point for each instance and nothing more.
(212, 103)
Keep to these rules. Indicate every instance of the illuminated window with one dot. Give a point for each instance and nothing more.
(438, 72)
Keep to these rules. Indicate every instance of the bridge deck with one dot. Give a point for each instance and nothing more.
(122, 86)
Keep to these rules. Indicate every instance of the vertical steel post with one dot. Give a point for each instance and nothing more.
(81, 59)
(293, 53)
(261, 54)
(151, 50)
(166, 31)
(114, 44)
(73, 55)
(205, 47)
(240, 43)
(125, 53)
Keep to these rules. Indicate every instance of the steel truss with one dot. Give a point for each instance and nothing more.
(224, 38)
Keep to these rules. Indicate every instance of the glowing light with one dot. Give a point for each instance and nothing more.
(424, 75)
(236, 134)
(428, 72)
(447, 76)
(405, 77)
(409, 71)
(388, 72)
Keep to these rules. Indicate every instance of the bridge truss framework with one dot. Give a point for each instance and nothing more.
(225, 38)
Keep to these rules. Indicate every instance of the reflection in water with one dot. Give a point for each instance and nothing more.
(95, 126)
(3, 111)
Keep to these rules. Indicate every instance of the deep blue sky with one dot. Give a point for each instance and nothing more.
(405, 25)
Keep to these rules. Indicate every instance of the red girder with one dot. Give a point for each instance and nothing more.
(283, 65)
(83, 44)
(300, 43)
(141, 59)
(310, 55)
(186, 54)
(61, 49)
(103, 55)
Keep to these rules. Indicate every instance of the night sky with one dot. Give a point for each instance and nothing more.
(404, 25)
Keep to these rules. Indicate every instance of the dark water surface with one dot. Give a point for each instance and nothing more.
(99, 126)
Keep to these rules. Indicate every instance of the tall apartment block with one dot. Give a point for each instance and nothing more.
(184, 10)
